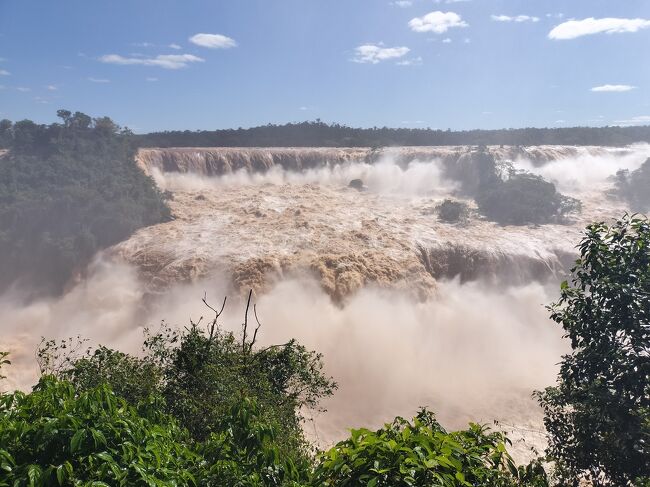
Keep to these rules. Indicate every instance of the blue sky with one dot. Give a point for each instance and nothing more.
(404, 63)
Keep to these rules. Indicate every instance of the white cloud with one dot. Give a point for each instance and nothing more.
(446, 41)
(578, 28)
(639, 120)
(213, 41)
(174, 46)
(143, 44)
(152, 79)
(23, 89)
(438, 22)
(416, 61)
(4, 72)
(516, 18)
(402, 3)
(613, 88)
(51, 88)
(375, 53)
(99, 80)
(166, 61)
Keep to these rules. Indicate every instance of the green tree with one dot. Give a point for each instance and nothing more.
(66, 191)
(202, 373)
(598, 415)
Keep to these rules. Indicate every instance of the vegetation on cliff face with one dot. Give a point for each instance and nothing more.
(524, 198)
(634, 187)
(67, 190)
(509, 197)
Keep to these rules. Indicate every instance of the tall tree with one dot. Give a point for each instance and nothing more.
(598, 415)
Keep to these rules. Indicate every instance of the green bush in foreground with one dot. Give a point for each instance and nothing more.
(57, 436)
(202, 407)
(422, 453)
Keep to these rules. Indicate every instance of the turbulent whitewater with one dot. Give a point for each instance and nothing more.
(257, 216)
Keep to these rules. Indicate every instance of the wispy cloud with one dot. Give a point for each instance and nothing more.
(51, 87)
(213, 41)
(446, 41)
(416, 61)
(23, 89)
(516, 18)
(437, 22)
(613, 88)
(375, 53)
(98, 80)
(174, 46)
(638, 120)
(4, 72)
(166, 61)
(402, 3)
(573, 29)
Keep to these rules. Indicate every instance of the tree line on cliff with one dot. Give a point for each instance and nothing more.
(320, 134)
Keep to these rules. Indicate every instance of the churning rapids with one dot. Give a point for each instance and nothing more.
(408, 310)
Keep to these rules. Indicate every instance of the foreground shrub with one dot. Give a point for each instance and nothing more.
(202, 373)
(55, 436)
(421, 453)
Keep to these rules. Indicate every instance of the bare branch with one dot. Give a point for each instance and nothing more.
(257, 328)
(213, 325)
(245, 324)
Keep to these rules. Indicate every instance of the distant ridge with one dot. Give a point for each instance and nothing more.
(319, 134)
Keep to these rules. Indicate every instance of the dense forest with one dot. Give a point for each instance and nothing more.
(204, 407)
(67, 190)
(319, 134)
